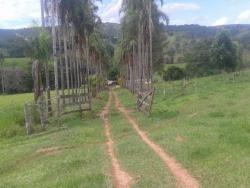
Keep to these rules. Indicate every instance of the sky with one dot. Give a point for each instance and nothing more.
(20, 13)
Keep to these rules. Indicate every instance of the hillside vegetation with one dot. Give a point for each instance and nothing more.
(10, 40)
(17, 75)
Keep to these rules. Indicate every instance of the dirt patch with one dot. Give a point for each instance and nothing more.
(53, 150)
(193, 115)
(121, 178)
(183, 178)
(179, 138)
(100, 98)
(49, 151)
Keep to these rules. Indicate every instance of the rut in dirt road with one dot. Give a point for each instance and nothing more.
(182, 176)
(121, 178)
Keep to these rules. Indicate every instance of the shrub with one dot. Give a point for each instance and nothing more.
(113, 74)
(174, 73)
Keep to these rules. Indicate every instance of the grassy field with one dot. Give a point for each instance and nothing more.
(206, 127)
(23, 63)
(70, 154)
(11, 115)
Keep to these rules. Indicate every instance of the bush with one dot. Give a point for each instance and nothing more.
(174, 73)
(113, 74)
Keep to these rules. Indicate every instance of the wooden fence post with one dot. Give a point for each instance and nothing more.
(28, 121)
(42, 108)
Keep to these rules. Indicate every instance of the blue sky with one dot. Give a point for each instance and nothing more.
(19, 14)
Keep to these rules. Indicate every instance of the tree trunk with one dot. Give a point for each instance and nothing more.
(130, 74)
(61, 64)
(2, 75)
(88, 71)
(48, 86)
(150, 41)
(55, 56)
(42, 13)
(46, 66)
(65, 42)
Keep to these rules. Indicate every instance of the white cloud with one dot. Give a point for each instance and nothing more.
(175, 7)
(110, 11)
(244, 16)
(220, 21)
(16, 13)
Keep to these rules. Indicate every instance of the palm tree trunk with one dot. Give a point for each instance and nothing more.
(42, 13)
(61, 65)
(130, 74)
(88, 71)
(140, 56)
(55, 56)
(46, 66)
(150, 41)
(65, 42)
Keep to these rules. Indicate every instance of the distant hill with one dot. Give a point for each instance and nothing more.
(241, 33)
(112, 30)
(197, 31)
(7, 34)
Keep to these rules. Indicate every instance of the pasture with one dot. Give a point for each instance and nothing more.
(205, 126)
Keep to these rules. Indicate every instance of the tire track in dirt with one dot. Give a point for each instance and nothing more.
(120, 177)
(182, 176)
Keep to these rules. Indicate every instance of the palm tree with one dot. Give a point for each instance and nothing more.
(44, 57)
(72, 23)
(99, 54)
(138, 24)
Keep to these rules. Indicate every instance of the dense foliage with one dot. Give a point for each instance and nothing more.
(174, 73)
(191, 44)
(209, 57)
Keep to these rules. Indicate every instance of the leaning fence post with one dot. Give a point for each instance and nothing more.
(28, 121)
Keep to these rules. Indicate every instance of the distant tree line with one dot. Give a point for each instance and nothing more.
(208, 57)
(18, 79)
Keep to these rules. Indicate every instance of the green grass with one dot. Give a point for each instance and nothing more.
(136, 157)
(206, 126)
(180, 65)
(23, 63)
(81, 160)
(211, 116)
(12, 115)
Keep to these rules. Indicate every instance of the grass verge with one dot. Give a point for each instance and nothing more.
(206, 127)
(70, 154)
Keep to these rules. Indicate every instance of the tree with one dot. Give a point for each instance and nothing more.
(99, 56)
(199, 61)
(140, 27)
(74, 24)
(2, 71)
(224, 53)
(16, 80)
(174, 73)
(44, 54)
(39, 50)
